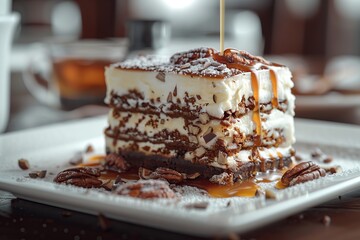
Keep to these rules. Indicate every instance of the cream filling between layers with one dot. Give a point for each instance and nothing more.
(274, 120)
(217, 95)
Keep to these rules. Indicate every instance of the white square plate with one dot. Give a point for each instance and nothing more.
(51, 147)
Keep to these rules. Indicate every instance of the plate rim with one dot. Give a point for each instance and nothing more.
(29, 191)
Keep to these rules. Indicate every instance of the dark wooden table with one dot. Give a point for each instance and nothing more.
(21, 219)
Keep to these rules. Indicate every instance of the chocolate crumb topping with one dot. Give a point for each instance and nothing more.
(199, 62)
(208, 137)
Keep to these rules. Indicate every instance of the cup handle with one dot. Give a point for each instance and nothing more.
(38, 84)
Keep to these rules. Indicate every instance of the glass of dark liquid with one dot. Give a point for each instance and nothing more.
(72, 73)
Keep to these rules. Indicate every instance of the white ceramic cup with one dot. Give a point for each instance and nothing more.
(7, 29)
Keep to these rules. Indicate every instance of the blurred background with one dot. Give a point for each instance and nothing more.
(61, 47)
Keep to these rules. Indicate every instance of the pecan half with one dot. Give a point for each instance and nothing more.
(81, 177)
(23, 164)
(303, 172)
(114, 161)
(145, 189)
(242, 57)
(167, 174)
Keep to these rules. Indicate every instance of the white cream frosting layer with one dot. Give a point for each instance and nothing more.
(229, 91)
(275, 120)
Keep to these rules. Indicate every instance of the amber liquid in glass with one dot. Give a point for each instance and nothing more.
(80, 81)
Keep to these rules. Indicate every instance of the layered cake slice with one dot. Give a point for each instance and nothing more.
(220, 116)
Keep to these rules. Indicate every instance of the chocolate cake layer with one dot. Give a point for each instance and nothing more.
(243, 172)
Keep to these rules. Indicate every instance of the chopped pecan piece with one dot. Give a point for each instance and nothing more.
(146, 189)
(23, 164)
(328, 159)
(144, 173)
(223, 178)
(302, 172)
(37, 174)
(81, 177)
(333, 169)
(168, 174)
(114, 161)
(191, 176)
(108, 185)
(316, 153)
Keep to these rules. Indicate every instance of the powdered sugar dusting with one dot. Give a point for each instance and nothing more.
(196, 62)
(149, 63)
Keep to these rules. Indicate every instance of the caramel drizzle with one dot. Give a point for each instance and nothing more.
(232, 59)
(256, 114)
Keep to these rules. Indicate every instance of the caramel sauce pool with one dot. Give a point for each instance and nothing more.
(132, 174)
(243, 189)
